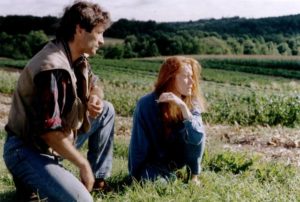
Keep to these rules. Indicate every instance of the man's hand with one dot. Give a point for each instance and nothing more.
(60, 143)
(95, 106)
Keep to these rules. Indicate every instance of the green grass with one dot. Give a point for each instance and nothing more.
(19, 64)
(8, 81)
(233, 97)
(289, 69)
(7, 190)
(282, 66)
(226, 176)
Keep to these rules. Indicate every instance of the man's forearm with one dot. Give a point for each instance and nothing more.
(61, 144)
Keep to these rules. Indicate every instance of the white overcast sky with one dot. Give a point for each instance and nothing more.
(161, 10)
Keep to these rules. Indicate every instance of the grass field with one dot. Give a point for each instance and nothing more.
(236, 99)
(226, 176)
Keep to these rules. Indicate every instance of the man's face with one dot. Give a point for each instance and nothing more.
(91, 41)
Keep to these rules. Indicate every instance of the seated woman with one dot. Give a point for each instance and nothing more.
(167, 132)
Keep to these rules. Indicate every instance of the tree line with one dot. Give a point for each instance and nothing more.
(184, 42)
(20, 35)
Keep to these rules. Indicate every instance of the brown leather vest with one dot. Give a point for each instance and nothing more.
(51, 57)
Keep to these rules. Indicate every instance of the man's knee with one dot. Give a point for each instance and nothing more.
(86, 197)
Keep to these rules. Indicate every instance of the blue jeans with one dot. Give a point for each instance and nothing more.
(44, 175)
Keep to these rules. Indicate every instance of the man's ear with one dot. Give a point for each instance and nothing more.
(79, 30)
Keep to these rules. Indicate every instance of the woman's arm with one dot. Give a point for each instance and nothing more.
(194, 128)
(192, 118)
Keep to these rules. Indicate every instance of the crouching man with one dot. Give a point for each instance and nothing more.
(56, 107)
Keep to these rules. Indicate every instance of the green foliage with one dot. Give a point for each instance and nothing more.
(235, 46)
(235, 163)
(36, 40)
(21, 46)
(272, 172)
(283, 49)
(2, 134)
(8, 81)
(232, 97)
(272, 49)
(113, 51)
(284, 67)
(19, 64)
(261, 181)
(239, 177)
(266, 36)
(128, 51)
(213, 45)
(255, 109)
(13, 24)
(249, 47)
(184, 42)
(121, 148)
(189, 38)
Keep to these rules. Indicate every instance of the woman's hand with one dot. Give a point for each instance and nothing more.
(170, 97)
(95, 106)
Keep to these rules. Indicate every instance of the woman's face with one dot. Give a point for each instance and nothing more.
(184, 81)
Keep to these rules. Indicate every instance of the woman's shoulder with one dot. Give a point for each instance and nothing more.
(147, 100)
(148, 97)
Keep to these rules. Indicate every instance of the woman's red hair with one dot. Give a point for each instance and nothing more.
(166, 83)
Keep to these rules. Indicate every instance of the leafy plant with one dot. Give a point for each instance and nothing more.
(235, 163)
(273, 172)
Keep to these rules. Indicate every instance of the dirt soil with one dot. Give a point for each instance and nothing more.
(271, 143)
(5, 102)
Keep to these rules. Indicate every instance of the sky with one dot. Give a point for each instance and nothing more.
(161, 10)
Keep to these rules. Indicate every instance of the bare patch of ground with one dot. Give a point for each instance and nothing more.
(5, 102)
(271, 143)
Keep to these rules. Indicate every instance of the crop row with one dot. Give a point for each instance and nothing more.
(231, 97)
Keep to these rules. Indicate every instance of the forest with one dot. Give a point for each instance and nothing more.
(22, 36)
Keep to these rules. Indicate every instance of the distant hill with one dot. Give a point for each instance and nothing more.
(20, 38)
(16, 24)
(285, 25)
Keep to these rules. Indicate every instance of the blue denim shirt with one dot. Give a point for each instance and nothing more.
(148, 145)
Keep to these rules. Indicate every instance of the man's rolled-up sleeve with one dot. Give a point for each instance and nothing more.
(50, 100)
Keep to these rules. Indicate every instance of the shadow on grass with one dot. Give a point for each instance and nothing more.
(9, 196)
(119, 183)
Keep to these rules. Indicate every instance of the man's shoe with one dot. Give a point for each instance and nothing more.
(101, 186)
